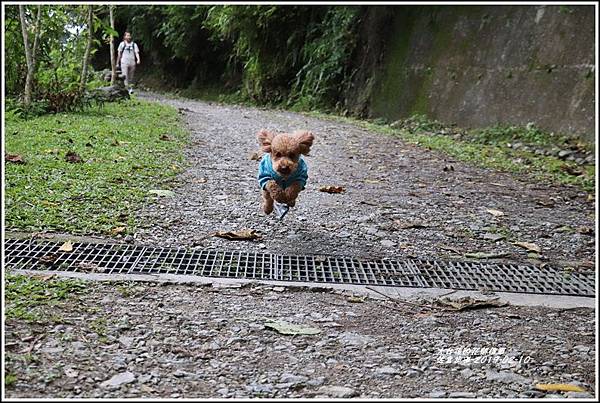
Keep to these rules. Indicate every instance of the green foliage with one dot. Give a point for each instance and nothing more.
(123, 157)
(24, 295)
(269, 54)
(59, 58)
(326, 53)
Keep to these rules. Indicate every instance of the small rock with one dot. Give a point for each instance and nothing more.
(316, 382)
(337, 391)
(461, 394)
(118, 380)
(506, 377)
(564, 153)
(437, 394)
(580, 395)
(386, 371)
(387, 243)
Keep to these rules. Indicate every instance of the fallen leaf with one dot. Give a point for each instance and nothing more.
(564, 228)
(73, 158)
(90, 267)
(48, 259)
(166, 138)
(561, 387)
(450, 248)
(484, 255)
(160, 192)
(495, 213)
(572, 170)
(14, 158)
(284, 327)
(529, 246)
(332, 189)
(117, 230)
(493, 237)
(463, 303)
(355, 299)
(66, 247)
(238, 235)
(545, 203)
(415, 224)
(585, 230)
(256, 156)
(200, 180)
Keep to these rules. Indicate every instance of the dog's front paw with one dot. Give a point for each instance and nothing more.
(267, 206)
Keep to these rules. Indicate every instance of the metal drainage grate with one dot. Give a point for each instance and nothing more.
(129, 259)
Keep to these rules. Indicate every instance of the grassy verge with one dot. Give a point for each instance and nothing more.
(122, 157)
(487, 148)
(25, 296)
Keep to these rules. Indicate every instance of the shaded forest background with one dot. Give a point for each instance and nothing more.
(471, 65)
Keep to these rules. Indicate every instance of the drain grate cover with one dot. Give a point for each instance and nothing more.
(130, 259)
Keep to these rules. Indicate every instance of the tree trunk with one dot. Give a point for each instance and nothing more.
(36, 38)
(113, 63)
(88, 48)
(28, 57)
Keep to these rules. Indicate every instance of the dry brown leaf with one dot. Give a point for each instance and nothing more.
(117, 230)
(529, 246)
(585, 230)
(546, 203)
(256, 156)
(14, 158)
(560, 387)
(244, 234)
(66, 247)
(332, 189)
(495, 213)
(463, 303)
(48, 259)
(73, 158)
(165, 137)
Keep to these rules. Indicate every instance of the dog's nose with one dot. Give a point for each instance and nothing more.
(284, 170)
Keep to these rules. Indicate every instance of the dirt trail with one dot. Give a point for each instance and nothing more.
(390, 185)
(189, 341)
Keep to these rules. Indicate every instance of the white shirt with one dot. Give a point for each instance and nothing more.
(128, 52)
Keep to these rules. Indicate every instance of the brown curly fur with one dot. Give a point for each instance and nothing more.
(285, 150)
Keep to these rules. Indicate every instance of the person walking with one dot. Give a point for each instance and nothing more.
(128, 58)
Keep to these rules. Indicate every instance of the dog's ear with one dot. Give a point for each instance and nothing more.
(305, 140)
(265, 138)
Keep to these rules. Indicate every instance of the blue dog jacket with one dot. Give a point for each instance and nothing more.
(267, 173)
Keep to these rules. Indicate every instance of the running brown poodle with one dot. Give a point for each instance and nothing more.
(282, 173)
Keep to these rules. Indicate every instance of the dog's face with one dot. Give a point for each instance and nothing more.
(285, 148)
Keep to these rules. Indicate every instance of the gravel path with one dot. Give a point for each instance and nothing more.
(390, 185)
(189, 341)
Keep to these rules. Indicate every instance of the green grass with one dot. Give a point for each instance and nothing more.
(9, 380)
(123, 156)
(487, 148)
(25, 295)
